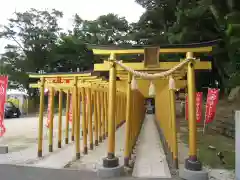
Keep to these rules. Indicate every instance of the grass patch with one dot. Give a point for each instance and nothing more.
(208, 156)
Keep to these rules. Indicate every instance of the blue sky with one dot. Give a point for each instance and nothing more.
(87, 9)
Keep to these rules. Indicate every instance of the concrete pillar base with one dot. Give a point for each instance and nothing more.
(110, 172)
(110, 162)
(193, 175)
(3, 149)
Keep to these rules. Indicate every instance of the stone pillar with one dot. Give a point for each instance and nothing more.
(237, 143)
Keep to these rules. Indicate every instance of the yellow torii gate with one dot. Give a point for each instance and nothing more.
(113, 100)
(165, 112)
(77, 84)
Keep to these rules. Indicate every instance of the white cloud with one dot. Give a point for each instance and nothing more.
(87, 9)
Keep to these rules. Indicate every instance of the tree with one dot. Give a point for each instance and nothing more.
(183, 21)
(40, 47)
(35, 34)
(72, 54)
(105, 30)
(154, 24)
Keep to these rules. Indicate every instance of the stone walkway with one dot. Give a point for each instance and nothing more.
(150, 158)
(94, 158)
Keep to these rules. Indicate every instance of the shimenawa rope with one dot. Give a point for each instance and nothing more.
(149, 76)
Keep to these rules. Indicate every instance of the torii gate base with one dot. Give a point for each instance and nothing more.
(3, 149)
(110, 172)
(196, 175)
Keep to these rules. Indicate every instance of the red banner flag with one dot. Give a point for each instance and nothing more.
(211, 105)
(199, 97)
(70, 114)
(3, 93)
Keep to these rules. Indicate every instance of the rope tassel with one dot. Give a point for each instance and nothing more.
(134, 84)
(151, 91)
(171, 83)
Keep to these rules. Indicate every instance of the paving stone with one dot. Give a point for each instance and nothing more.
(150, 158)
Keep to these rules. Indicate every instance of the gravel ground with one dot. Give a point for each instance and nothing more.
(23, 132)
(214, 174)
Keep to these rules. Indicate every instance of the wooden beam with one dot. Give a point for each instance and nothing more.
(70, 85)
(59, 75)
(162, 78)
(71, 78)
(163, 66)
(161, 50)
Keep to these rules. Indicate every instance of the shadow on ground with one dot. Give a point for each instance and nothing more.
(11, 172)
